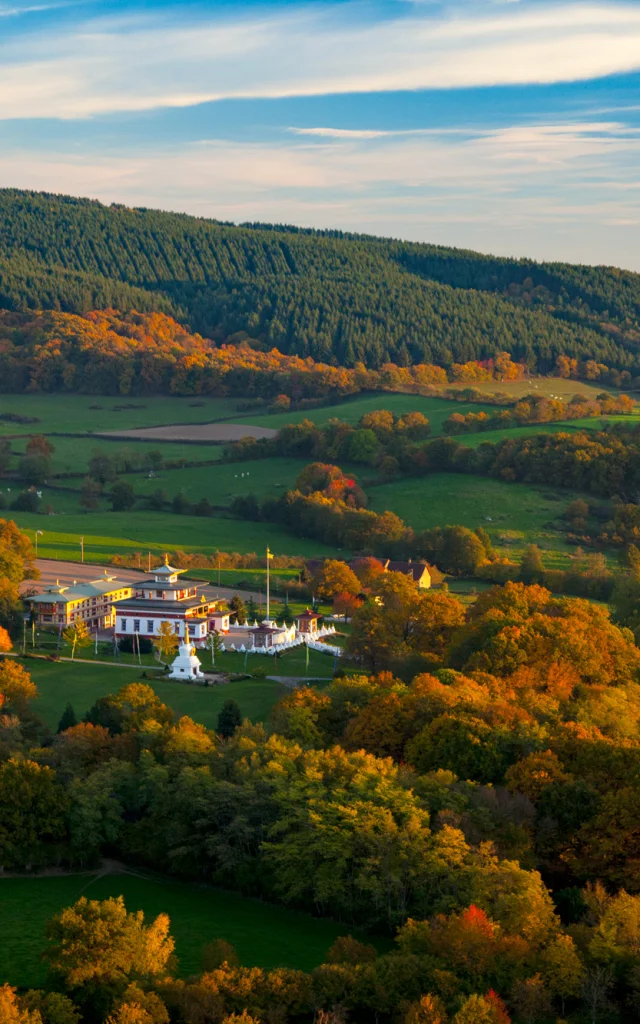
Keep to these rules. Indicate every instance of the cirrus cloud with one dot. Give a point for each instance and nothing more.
(139, 63)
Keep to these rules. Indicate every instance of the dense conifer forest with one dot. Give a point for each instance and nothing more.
(336, 297)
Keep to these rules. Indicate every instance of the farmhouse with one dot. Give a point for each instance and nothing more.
(418, 571)
(91, 603)
(423, 575)
(163, 597)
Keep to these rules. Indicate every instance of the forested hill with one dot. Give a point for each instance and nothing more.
(337, 297)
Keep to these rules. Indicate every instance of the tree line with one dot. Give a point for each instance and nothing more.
(540, 409)
(335, 297)
(106, 352)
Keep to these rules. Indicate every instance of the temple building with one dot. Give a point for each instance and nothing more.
(308, 623)
(163, 597)
(269, 635)
(91, 603)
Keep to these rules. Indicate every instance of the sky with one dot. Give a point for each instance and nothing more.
(505, 126)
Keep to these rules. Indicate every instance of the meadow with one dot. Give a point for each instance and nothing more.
(351, 410)
(264, 935)
(219, 484)
(513, 514)
(129, 533)
(550, 387)
(72, 454)
(438, 500)
(90, 414)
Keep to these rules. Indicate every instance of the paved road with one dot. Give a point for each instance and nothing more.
(52, 570)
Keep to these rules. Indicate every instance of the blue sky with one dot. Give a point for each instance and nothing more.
(507, 126)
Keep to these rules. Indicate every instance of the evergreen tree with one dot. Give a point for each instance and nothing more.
(531, 566)
(239, 608)
(229, 718)
(68, 719)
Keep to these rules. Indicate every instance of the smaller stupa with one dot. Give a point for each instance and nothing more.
(186, 666)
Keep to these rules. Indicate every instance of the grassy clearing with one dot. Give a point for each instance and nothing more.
(62, 682)
(74, 413)
(496, 436)
(125, 533)
(264, 935)
(550, 387)
(513, 514)
(565, 426)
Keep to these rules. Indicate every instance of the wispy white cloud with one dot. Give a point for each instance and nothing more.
(344, 133)
(552, 191)
(146, 62)
(17, 9)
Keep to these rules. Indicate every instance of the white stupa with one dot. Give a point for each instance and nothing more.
(186, 665)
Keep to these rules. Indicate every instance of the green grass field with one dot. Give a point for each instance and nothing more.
(72, 454)
(513, 514)
(264, 935)
(435, 409)
(266, 478)
(137, 532)
(496, 436)
(74, 413)
(81, 685)
(550, 387)
(126, 533)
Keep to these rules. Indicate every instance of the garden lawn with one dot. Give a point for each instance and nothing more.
(513, 514)
(125, 533)
(60, 683)
(264, 935)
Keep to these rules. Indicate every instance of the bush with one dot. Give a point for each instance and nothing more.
(126, 645)
(27, 501)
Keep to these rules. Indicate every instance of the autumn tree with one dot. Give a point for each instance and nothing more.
(401, 620)
(217, 953)
(429, 1009)
(5, 641)
(367, 570)
(77, 635)
(11, 1010)
(16, 686)
(165, 641)
(334, 577)
(98, 943)
(346, 604)
(488, 1009)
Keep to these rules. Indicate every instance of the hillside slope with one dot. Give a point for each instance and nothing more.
(340, 298)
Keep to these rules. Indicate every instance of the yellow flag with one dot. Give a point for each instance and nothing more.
(269, 555)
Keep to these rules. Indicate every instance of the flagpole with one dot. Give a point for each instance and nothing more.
(268, 558)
